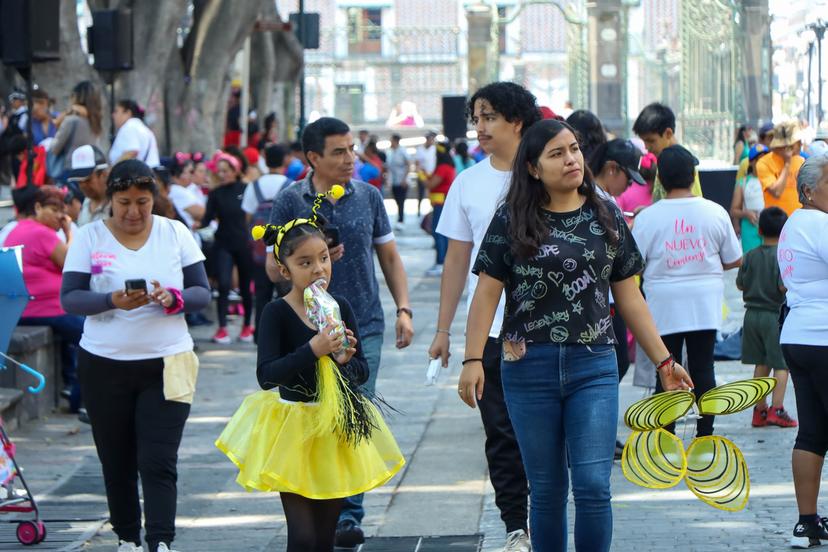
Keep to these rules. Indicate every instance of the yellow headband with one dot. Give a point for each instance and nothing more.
(258, 232)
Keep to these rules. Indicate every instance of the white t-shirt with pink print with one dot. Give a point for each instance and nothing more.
(684, 243)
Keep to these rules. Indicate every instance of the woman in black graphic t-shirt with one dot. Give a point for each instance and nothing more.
(556, 249)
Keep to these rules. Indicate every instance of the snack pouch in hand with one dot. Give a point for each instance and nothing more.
(323, 310)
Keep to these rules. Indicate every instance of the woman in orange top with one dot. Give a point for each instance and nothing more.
(778, 170)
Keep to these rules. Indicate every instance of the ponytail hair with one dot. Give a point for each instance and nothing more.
(133, 107)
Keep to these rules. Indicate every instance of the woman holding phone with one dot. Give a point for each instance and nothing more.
(133, 276)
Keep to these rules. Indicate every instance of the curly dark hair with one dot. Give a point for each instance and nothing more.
(527, 194)
(511, 100)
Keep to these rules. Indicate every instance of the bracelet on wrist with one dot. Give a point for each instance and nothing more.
(669, 361)
(448, 333)
(468, 360)
(407, 311)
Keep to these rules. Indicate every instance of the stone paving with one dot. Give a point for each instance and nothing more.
(444, 488)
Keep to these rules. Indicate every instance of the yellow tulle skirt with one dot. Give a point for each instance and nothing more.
(267, 440)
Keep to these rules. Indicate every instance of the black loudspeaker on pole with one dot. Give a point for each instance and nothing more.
(110, 41)
(454, 117)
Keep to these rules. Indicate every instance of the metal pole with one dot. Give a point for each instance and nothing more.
(111, 107)
(820, 32)
(30, 156)
(245, 91)
(301, 33)
(810, 84)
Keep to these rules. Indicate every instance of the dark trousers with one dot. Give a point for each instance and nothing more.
(700, 366)
(502, 452)
(136, 432)
(810, 380)
(264, 291)
(69, 328)
(622, 352)
(421, 190)
(224, 260)
(400, 193)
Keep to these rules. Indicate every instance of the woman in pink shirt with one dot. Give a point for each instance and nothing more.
(43, 256)
(638, 196)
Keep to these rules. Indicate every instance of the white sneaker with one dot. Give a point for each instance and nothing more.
(129, 547)
(517, 541)
(436, 270)
(162, 547)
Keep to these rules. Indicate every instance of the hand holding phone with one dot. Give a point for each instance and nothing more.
(133, 295)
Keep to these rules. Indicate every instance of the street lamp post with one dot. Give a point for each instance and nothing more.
(300, 32)
(808, 97)
(819, 30)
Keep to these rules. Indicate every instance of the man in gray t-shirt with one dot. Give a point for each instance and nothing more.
(361, 223)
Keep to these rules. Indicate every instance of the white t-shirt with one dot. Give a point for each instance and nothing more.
(269, 185)
(684, 243)
(427, 158)
(196, 190)
(134, 135)
(145, 332)
(470, 205)
(183, 199)
(803, 264)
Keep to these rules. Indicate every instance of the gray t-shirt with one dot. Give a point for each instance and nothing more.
(73, 133)
(363, 223)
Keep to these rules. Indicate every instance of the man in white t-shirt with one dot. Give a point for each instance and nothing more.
(687, 243)
(426, 158)
(500, 112)
(134, 138)
(262, 191)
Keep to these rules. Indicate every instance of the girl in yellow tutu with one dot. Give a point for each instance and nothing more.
(310, 435)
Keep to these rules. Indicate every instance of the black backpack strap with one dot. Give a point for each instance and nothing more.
(257, 189)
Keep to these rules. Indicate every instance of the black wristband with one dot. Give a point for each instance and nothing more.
(407, 311)
(480, 360)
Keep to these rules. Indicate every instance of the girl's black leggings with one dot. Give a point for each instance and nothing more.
(699, 365)
(809, 372)
(225, 259)
(136, 431)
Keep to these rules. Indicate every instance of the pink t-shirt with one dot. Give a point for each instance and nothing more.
(41, 275)
(635, 196)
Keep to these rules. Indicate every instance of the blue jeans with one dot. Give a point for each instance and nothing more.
(372, 349)
(69, 328)
(563, 402)
(440, 241)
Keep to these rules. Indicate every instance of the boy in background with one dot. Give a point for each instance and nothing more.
(763, 293)
(656, 126)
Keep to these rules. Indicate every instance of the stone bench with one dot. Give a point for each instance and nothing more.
(36, 347)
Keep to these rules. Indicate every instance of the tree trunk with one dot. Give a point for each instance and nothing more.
(217, 36)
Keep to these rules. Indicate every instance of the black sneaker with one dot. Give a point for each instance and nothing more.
(349, 534)
(806, 535)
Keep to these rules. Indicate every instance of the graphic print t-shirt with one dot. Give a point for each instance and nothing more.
(560, 294)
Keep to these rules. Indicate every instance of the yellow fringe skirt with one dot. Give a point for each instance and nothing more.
(267, 440)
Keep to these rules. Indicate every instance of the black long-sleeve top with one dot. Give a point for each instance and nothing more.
(285, 358)
(224, 203)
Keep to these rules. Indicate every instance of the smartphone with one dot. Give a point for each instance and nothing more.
(136, 284)
(332, 236)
